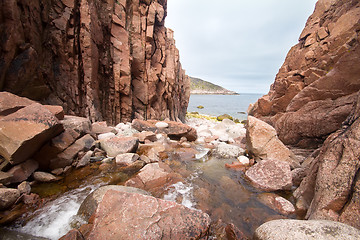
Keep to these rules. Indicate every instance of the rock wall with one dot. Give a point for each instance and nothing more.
(315, 88)
(110, 60)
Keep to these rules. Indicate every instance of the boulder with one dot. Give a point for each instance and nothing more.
(175, 130)
(155, 178)
(67, 157)
(106, 135)
(118, 145)
(73, 234)
(101, 127)
(23, 171)
(8, 197)
(224, 116)
(270, 175)
(24, 188)
(91, 202)
(301, 229)
(10, 103)
(5, 178)
(24, 132)
(85, 160)
(15, 235)
(224, 150)
(126, 159)
(119, 212)
(79, 124)
(58, 111)
(145, 135)
(262, 143)
(44, 177)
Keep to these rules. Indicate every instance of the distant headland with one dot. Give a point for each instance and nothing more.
(199, 86)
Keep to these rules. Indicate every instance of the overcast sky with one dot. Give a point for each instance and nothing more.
(238, 44)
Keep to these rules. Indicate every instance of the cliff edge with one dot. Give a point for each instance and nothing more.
(106, 60)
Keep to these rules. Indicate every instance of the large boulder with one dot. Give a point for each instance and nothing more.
(24, 132)
(10, 103)
(175, 130)
(118, 145)
(119, 212)
(79, 124)
(270, 175)
(287, 229)
(263, 143)
(91, 202)
(331, 189)
(23, 171)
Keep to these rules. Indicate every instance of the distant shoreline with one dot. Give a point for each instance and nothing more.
(213, 93)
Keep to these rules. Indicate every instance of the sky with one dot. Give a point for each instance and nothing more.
(237, 44)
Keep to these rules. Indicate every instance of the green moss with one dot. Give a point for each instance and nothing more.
(224, 116)
(200, 107)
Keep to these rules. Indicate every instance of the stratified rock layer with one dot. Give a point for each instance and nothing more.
(107, 60)
(315, 88)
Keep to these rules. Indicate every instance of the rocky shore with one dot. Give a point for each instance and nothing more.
(44, 145)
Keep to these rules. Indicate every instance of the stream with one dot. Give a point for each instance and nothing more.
(209, 186)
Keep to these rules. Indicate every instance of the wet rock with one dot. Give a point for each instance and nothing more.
(263, 143)
(73, 234)
(67, 157)
(270, 175)
(301, 229)
(8, 197)
(175, 130)
(233, 233)
(127, 159)
(44, 177)
(22, 171)
(24, 188)
(154, 177)
(224, 150)
(154, 218)
(10, 103)
(118, 145)
(91, 202)
(24, 132)
(277, 203)
(85, 160)
(79, 124)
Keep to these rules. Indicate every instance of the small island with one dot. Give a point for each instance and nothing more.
(199, 86)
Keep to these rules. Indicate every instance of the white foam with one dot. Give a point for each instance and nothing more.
(54, 219)
(183, 190)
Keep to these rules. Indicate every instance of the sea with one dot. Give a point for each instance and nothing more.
(215, 105)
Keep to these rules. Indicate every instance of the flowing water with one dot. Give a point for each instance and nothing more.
(209, 186)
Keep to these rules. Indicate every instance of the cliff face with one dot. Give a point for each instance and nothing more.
(315, 88)
(107, 60)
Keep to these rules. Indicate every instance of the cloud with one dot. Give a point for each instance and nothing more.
(237, 44)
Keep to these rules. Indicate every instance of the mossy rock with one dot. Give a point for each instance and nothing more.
(244, 122)
(224, 116)
(200, 107)
(236, 120)
(197, 113)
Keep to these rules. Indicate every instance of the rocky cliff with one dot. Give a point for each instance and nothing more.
(314, 102)
(315, 88)
(110, 60)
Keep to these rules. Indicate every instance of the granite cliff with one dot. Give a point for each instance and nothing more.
(106, 60)
(314, 104)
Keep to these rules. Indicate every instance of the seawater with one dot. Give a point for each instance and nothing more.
(215, 105)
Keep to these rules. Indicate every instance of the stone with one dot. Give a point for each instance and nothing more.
(126, 159)
(262, 143)
(10, 103)
(161, 125)
(154, 218)
(118, 145)
(270, 175)
(44, 177)
(79, 124)
(175, 130)
(106, 135)
(85, 160)
(12, 234)
(244, 160)
(5, 177)
(24, 132)
(8, 197)
(224, 150)
(58, 111)
(23, 171)
(224, 116)
(300, 229)
(67, 157)
(73, 234)
(91, 202)
(24, 188)
(145, 135)
(277, 203)
(100, 128)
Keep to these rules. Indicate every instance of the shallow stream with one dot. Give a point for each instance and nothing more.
(222, 193)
